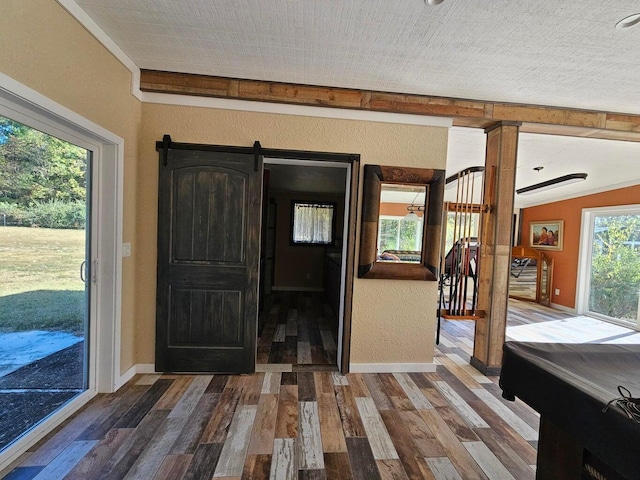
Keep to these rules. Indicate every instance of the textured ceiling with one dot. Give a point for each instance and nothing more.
(550, 52)
(545, 52)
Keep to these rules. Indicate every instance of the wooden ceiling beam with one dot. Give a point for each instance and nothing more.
(465, 113)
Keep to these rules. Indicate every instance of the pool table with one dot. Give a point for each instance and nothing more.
(569, 384)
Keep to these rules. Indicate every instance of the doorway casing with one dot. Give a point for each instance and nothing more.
(346, 284)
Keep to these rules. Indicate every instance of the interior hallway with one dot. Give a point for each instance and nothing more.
(297, 329)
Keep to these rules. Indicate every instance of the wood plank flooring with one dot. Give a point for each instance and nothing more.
(297, 328)
(450, 424)
(410, 428)
(529, 322)
(287, 422)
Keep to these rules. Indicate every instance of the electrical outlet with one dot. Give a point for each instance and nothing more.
(557, 291)
(126, 249)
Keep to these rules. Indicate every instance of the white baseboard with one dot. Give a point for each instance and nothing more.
(391, 367)
(137, 368)
(555, 306)
(146, 368)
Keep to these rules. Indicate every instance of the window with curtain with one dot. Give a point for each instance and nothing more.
(312, 223)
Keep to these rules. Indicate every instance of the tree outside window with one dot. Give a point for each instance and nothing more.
(615, 266)
(395, 233)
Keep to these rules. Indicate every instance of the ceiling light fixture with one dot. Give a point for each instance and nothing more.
(553, 183)
(434, 2)
(413, 208)
(627, 22)
(412, 216)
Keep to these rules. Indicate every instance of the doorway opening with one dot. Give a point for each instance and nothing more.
(212, 281)
(303, 262)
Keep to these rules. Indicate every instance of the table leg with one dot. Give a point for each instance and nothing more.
(559, 455)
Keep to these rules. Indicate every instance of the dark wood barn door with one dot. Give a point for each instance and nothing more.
(208, 255)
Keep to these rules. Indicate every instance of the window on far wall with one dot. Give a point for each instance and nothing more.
(312, 223)
(611, 236)
(396, 233)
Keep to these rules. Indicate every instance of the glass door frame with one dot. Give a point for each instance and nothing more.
(22, 104)
(583, 279)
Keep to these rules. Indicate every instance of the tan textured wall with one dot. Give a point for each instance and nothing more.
(393, 321)
(46, 49)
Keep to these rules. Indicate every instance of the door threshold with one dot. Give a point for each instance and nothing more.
(288, 367)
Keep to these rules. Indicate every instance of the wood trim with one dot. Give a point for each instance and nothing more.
(495, 255)
(465, 113)
(349, 270)
(354, 160)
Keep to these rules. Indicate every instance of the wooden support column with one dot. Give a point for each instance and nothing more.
(495, 250)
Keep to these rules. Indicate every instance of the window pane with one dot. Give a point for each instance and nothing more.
(388, 236)
(313, 223)
(410, 235)
(615, 266)
(44, 192)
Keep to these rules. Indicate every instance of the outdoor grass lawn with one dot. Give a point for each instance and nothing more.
(40, 286)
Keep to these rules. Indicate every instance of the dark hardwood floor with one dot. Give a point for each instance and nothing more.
(297, 328)
(448, 424)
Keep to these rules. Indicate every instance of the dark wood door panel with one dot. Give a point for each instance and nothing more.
(204, 276)
(231, 360)
(208, 259)
(208, 199)
(218, 312)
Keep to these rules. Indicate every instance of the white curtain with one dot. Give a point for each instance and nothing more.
(312, 223)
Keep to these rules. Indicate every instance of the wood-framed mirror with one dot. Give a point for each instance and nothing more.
(401, 223)
(531, 275)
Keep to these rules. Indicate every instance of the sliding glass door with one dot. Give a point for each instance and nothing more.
(612, 260)
(44, 275)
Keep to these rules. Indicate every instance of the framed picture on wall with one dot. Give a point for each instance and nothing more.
(548, 235)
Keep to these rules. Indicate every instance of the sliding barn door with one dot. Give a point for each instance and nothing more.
(208, 254)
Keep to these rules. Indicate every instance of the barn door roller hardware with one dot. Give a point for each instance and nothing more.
(166, 145)
(257, 149)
